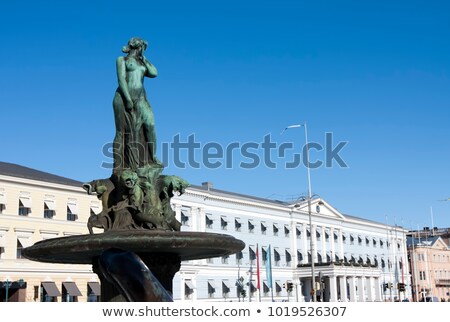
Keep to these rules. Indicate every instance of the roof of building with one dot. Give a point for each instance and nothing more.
(366, 220)
(224, 193)
(423, 241)
(18, 171)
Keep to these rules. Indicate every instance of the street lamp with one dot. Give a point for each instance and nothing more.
(250, 288)
(7, 284)
(313, 273)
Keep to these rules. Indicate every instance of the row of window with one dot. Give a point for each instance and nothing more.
(49, 209)
(224, 289)
(437, 274)
(276, 260)
(238, 226)
(50, 292)
(437, 258)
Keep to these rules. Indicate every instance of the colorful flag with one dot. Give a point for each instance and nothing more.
(269, 267)
(258, 279)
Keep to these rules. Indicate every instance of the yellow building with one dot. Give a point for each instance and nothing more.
(35, 205)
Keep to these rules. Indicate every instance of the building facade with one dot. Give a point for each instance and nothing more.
(34, 206)
(355, 259)
(429, 257)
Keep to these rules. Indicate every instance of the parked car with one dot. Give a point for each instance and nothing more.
(429, 299)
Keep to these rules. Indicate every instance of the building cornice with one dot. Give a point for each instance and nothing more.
(208, 195)
(42, 184)
(289, 210)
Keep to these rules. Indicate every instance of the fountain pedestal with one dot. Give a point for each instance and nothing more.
(161, 251)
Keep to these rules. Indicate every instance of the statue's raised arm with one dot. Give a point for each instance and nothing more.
(135, 140)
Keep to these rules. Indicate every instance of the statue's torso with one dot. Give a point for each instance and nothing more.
(135, 77)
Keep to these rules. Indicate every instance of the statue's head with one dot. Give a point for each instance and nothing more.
(175, 184)
(135, 43)
(129, 178)
(96, 187)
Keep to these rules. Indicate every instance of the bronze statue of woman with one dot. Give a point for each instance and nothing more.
(135, 140)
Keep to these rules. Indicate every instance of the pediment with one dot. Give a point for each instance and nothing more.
(440, 244)
(319, 207)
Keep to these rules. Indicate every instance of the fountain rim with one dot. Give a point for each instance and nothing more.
(84, 249)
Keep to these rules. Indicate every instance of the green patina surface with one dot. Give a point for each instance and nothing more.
(137, 195)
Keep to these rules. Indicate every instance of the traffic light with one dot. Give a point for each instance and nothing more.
(243, 293)
(387, 286)
(401, 287)
(290, 286)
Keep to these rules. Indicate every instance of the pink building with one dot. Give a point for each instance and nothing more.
(429, 259)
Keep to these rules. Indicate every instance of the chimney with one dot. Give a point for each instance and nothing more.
(208, 185)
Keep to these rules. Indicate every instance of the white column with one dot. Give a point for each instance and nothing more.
(294, 244)
(333, 289)
(361, 284)
(305, 244)
(194, 219)
(324, 245)
(369, 289)
(202, 220)
(343, 288)
(299, 285)
(182, 289)
(377, 289)
(352, 284)
(332, 244)
(313, 241)
(194, 281)
(178, 212)
(341, 244)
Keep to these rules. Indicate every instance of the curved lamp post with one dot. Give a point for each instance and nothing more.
(313, 274)
(7, 284)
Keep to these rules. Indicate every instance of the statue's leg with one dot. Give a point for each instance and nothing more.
(118, 144)
(148, 123)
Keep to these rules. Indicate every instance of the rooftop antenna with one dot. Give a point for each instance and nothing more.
(432, 221)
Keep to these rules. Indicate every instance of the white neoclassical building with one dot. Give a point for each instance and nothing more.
(354, 258)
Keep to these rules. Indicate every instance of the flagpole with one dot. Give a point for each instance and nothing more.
(258, 278)
(269, 270)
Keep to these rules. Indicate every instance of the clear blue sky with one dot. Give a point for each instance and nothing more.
(374, 73)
